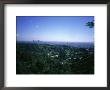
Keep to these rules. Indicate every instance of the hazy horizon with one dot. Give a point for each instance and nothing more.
(54, 41)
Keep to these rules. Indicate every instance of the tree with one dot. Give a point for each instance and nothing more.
(90, 24)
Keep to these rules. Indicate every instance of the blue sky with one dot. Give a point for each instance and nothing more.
(54, 28)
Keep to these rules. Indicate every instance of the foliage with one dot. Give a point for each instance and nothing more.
(90, 24)
(53, 59)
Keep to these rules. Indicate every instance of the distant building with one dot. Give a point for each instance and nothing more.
(38, 41)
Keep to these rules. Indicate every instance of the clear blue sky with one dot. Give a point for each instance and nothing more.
(54, 28)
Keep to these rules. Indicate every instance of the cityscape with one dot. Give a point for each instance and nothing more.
(55, 45)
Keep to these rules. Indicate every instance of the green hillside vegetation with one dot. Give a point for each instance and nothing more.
(53, 59)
